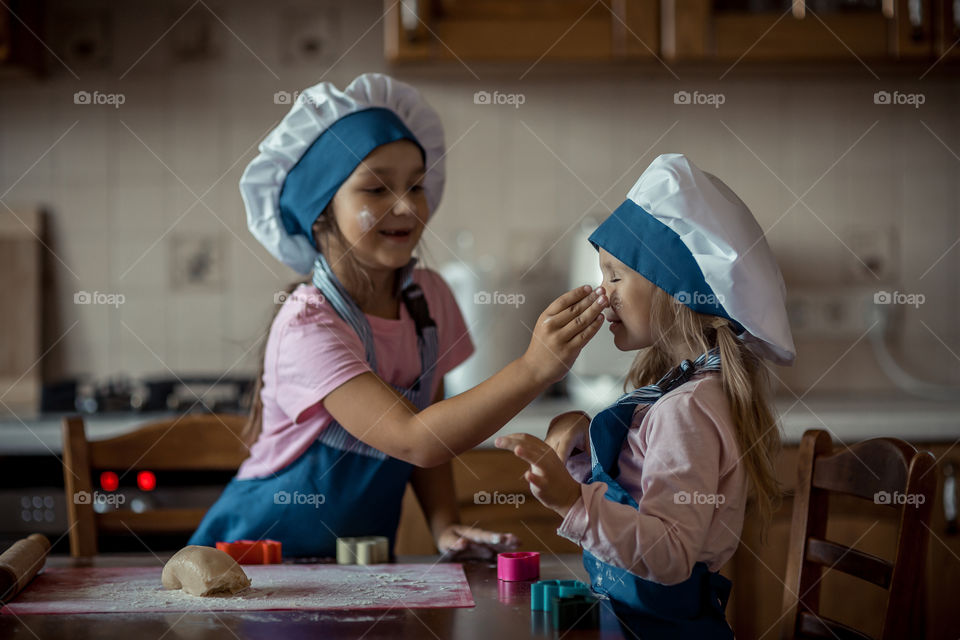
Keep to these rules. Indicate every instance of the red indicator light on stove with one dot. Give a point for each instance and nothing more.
(109, 481)
(146, 480)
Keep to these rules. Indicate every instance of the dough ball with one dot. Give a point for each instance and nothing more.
(204, 571)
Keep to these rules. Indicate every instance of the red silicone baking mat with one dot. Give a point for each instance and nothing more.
(274, 587)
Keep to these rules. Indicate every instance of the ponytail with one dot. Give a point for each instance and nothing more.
(758, 434)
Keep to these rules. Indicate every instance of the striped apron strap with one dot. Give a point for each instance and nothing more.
(334, 435)
(609, 427)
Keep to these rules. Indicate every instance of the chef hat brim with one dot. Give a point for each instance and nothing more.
(688, 233)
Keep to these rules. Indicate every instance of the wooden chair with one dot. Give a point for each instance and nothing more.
(191, 442)
(900, 470)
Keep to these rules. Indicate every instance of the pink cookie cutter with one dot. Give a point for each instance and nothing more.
(518, 565)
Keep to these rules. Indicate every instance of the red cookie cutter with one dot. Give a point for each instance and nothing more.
(253, 551)
(518, 565)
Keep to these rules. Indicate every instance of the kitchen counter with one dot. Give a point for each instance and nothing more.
(849, 418)
(40, 434)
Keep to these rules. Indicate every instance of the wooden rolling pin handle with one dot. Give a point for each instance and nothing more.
(20, 563)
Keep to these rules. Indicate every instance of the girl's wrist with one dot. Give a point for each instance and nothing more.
(580, 415)
(564, 509)
(439, 528)
(531, 374)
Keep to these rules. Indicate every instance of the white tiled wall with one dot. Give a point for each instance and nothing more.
(123, 183)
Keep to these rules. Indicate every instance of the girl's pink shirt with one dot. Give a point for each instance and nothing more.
(681, 462)
(311, 351)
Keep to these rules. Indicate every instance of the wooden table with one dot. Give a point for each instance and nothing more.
(502, 612)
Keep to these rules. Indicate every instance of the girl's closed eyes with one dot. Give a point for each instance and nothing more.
(629, 309)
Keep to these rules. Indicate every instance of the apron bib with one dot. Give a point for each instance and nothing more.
(693, 608)
(339, 487)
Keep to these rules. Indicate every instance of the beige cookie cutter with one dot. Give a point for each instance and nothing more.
(363, 550)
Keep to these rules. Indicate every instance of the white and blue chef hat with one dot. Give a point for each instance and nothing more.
(316, 147)
(688, 233)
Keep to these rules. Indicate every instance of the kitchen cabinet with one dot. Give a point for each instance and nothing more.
(21, 49)
(533, 30)
(781, 30)
(724, 31)
(946, 35)
(758, 567)
(5, 36)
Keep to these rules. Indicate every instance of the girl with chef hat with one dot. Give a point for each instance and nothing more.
(348, 405)
(655, 486)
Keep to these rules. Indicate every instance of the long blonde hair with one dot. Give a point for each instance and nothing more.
(682, 333)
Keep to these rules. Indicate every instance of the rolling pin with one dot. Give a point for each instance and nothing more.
(20, 563)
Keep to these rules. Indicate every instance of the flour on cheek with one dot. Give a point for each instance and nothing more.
(616, 303)
(366, 220)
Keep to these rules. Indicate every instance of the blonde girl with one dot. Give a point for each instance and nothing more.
(655, 486)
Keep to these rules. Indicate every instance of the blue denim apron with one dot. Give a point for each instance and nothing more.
(339, 487)
(693, 608)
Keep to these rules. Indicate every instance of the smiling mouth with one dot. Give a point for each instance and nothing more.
(399, 234)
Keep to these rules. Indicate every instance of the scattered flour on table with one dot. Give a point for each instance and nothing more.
(326, 586)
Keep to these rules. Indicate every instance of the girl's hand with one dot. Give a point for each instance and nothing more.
(460, 542)
(549, 481)
(562, 330)
(567, 432)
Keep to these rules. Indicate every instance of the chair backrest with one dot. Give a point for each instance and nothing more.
(195, 442)
(885, 471)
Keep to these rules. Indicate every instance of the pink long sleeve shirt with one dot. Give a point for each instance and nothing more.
(680, 461)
